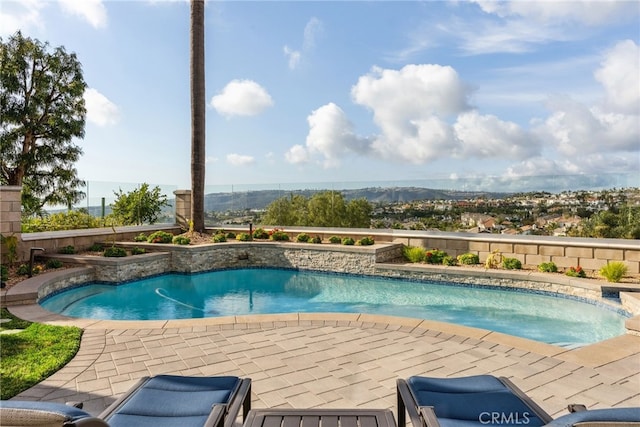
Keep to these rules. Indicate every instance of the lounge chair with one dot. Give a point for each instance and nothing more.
(171, 400)
(160, 401)
(45, 414)
(485, 401)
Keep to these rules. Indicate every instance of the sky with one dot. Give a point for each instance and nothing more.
(352, 91)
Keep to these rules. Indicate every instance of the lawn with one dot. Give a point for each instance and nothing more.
(31, 355)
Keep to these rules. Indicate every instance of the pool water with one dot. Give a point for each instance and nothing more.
(546, 318)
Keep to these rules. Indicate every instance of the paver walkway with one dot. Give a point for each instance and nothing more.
(317, 360)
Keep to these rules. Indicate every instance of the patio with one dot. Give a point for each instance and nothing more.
(331, 361)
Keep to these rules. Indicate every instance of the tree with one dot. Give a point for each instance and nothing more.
(198, 104)
(359, 213)
(140, 206)
(42, 110)
(327, 209)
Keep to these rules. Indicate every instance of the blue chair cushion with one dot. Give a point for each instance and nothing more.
(69, 413)
(475, 401)
(169, 400)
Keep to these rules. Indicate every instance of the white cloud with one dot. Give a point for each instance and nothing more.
(589, 12)
(297, 155)
(100, 110)
(23, 15)
(619, 74)
(239, 160)
(293, 55)
(242, 98)
(312, 31)
(486, 136)
(331, 135)
(93, 11)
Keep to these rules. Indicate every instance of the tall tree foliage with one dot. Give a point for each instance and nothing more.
(323, 209)
(198, 104)
(140, 206)
(42, 110)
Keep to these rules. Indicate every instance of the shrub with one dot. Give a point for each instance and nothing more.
(138, 251)
(303, 238)
(575, 272)
(220, 238)
(231, 235)
(243, 237)
(316, 239)
(414, 253)
(180, 240)
(96, 247)
(4, 273)
(449, 260)
(260, 233)
(493, 260)
(613, 271)
(469, 259)
(548, 267)
(366, 241)
(68, 250)
(23, 270)
(434, 256)
(335, 239)
(160, 237)
(279, 236)
(114, 252)
(348, 241)
(511, 263)
(53, 263)
(140, 238)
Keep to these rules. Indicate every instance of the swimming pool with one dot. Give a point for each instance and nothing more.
(546, 318)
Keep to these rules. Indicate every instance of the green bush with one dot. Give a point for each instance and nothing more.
(434, 256)
(114, 252)
(614, 271)
(180, 240)
(67, 250)
(548, 267)
(138, 251)
(575, 272)
(243, 237)
(303, 238)
(414, 253)
(279, 236)
(231, 235)
(160, 237)
(449, 261)
(511, 263)
(348, 241)
(260, 233)
(96, 247)
(23, 270)
(335, 239)
(72, 220)
(366, 241)
(4, 273)
(220, 238)
(140, 238)
(316, 239)
(469, 259)
(53, 263)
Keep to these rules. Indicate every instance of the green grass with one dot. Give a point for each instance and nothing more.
(30, 356)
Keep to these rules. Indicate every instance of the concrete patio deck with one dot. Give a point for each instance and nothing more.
(332, 360)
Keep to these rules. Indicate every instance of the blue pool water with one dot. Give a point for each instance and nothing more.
(545, 318)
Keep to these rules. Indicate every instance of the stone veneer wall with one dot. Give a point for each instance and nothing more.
(10, 217)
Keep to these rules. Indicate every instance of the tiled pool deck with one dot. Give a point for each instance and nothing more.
(327, 360)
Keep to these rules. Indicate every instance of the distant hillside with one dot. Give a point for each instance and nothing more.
(221, 202)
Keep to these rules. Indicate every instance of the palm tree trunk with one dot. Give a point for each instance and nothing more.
(197, 115)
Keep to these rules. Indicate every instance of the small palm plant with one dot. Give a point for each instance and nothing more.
(614, 271)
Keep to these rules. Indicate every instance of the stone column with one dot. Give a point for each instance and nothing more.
(10, 219)
(183, 207)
